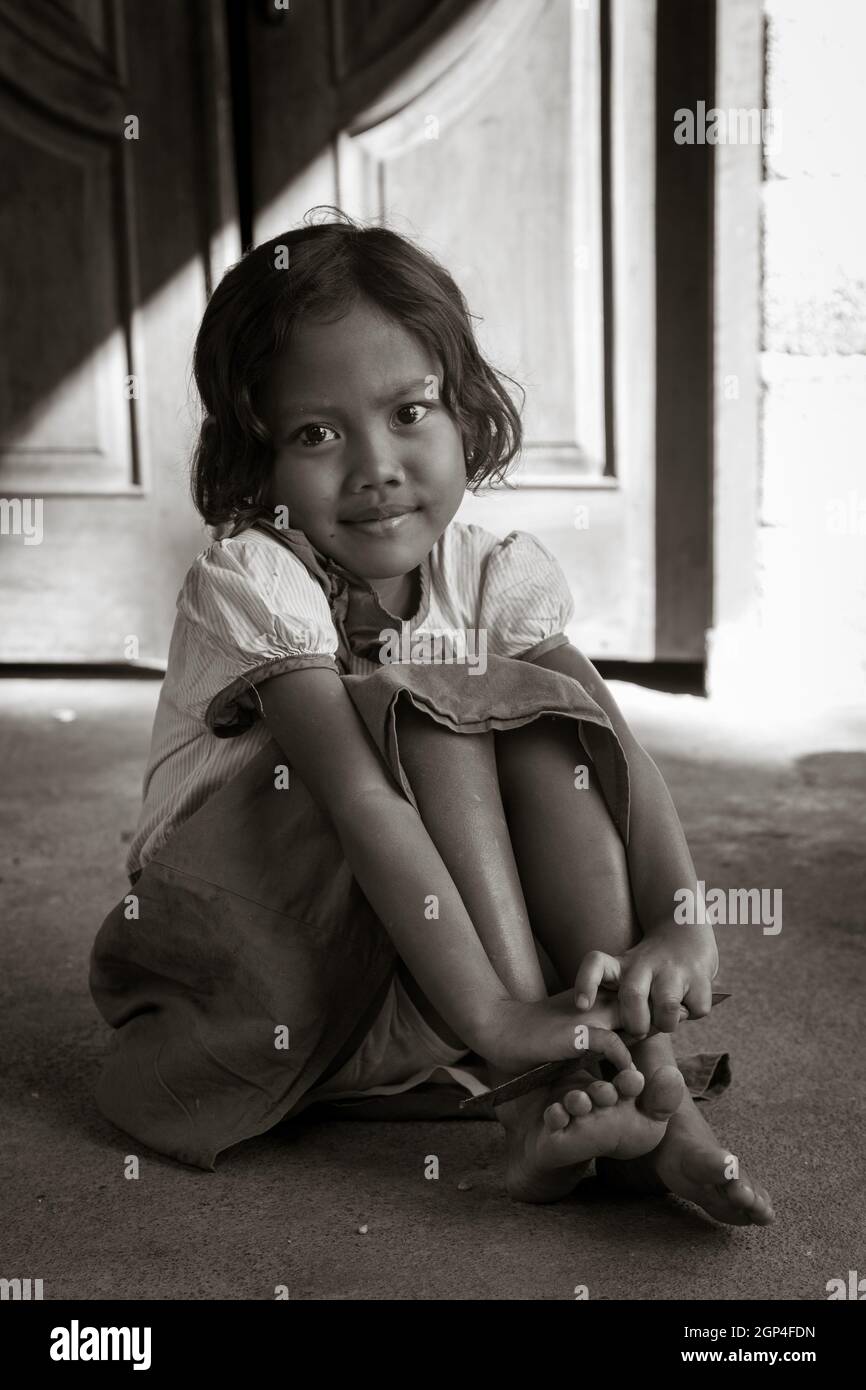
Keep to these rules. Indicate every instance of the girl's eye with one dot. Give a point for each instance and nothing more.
(413, 405)
(321, 430)
(311, 444)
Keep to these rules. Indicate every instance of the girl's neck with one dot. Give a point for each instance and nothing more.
(400, 596)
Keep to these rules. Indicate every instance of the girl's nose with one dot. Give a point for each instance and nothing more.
(375, 459)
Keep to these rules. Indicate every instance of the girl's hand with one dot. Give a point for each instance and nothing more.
(666, 977)
(522, 1035)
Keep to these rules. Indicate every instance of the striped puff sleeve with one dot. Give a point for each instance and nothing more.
(525, 602)
(249, 610)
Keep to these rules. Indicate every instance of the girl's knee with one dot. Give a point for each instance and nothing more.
(546, 760)
(411, 716)
(428, 747)
(538, 747)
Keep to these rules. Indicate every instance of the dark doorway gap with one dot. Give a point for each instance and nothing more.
(607, 240)
(239, 69)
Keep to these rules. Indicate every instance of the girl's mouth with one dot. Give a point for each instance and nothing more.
(384, 526)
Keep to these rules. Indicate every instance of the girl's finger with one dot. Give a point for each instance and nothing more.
(596, 968)
(698, 999)
(633, 1006)
(666, 994)
(609, 1045)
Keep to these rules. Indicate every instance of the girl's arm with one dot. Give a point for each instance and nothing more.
(674, 963)
(390, 852)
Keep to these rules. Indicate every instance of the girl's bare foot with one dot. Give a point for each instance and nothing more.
(553, 1134)
(690, 1162)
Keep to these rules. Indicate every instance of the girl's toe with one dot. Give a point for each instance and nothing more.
(629, 1083)
(577, 1102)
(763, 1205)
(602, 1093)
(740, 1193)
(556, 1117)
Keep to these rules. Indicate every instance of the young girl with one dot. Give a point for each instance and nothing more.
(367, 864)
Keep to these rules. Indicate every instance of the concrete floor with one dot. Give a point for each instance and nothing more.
(781, 804)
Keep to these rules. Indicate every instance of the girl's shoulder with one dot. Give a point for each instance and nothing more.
(250, 548)
(496, 560)
(251, 581)
(514, 585)
(248, 609)
(255, 559)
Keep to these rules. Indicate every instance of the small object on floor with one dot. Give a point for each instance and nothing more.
(464, 1186)
(362, 1230)
(546, 1073)
(526, 1081)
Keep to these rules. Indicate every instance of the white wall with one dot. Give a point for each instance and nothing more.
(812, 515)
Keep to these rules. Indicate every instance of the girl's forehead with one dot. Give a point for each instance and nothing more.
(362, 324)
(357, 349)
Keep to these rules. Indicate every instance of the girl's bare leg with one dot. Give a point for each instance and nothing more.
(574, 875)
(552, 1135)
(455, 781)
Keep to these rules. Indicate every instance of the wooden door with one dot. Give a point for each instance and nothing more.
(515, 140)
(117, 212)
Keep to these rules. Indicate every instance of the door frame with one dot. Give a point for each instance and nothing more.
(737, 341)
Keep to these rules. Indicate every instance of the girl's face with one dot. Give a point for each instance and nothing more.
(354, 431)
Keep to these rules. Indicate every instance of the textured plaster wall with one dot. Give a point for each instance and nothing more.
(812, 543)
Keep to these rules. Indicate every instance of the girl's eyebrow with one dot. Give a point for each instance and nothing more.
(290, 408)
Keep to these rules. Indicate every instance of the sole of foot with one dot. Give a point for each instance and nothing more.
(690, 1162)
(552, 1135)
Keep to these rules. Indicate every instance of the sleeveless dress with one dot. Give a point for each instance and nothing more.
(246, 966)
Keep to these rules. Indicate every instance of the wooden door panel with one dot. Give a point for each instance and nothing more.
(108, 245)
(64, 421)
(487, 145)
(494, 167)
(543, 117)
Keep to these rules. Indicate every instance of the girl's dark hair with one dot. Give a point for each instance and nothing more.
(321, 269)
